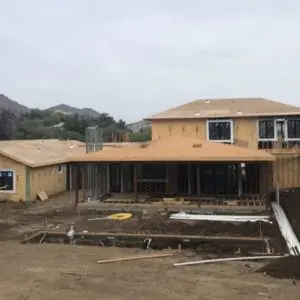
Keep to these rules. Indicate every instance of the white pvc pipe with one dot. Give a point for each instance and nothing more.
(286, 229)
(220, 218)
(208, 261)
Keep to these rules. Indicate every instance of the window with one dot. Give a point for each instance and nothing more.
(266, 129)
(220, 130)
(60, 168)
(154, 171)
(293, 129)
(7, 181)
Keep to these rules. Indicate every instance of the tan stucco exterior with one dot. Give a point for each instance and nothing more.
(30, 181)
(49, 179)
(244, 129)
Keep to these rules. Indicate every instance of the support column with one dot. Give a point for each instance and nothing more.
(122, 178)
(83, 178)
(77, 178)
(135, 182)
(107, 178)
(198, 180)
(240, 180)
(189, 180)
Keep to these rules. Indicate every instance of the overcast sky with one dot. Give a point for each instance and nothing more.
(133, 58)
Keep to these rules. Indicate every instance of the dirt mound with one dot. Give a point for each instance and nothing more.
(286, 267)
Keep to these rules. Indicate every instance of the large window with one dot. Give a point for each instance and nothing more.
(154, 171)
(7, 180)
(293, 129)
(279, 129)
(220, 130)
(266, 129)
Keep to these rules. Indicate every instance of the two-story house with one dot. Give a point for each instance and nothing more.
(255, 123)
(188, 156)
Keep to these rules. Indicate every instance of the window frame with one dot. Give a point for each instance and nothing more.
(13, 191)
(230, 121)
(286, 132)
(287, 129)
(274, 130)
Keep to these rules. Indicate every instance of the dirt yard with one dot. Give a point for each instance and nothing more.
(53, 271)
(66, 272)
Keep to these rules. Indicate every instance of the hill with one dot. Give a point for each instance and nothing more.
(67, 109)
(12, 105)
(138, 126)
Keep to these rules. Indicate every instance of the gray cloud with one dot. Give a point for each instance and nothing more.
(133, 58)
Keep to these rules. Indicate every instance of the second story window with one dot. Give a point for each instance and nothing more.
(220, 130)
(293, 129)
(266, 129)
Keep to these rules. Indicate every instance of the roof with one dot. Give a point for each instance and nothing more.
(222, 108)
(176, 149)
(38, 153)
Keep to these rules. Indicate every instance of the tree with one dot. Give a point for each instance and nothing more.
(143, 135)
(7, 124)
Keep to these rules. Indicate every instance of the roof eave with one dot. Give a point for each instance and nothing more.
(153, 118)
(175, 159)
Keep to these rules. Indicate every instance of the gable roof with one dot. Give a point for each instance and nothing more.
(176, 149)
(38, 153)
(222, 108)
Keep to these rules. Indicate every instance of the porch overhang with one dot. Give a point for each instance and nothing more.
(177, 149)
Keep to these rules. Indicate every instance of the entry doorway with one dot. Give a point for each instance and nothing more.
(115, 178)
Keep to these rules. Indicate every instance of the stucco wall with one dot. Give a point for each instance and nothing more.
(244, 130)
(49, 179)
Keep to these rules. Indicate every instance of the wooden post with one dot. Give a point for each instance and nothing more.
(189, 180)
(135, 182)
(107, 178)
(122, 178)
(198, 180)
(77, 178)
(240, 180)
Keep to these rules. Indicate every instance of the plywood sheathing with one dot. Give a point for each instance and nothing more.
(223, 108)
(177, 149)
(38, 153)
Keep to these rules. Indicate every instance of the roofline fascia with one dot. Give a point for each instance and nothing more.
(224, 116)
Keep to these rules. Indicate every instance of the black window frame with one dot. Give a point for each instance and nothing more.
(7, 181)
(293, 126)
(269, 128)
(218, 135)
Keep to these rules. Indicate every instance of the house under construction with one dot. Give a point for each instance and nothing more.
(171, 167)
(236, 148)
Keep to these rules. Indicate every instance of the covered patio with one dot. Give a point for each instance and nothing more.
(173, 167)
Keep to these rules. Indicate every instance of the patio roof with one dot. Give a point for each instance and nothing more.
(176, 149)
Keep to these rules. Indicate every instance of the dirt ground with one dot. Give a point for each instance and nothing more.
(70, 272)
(52, 271)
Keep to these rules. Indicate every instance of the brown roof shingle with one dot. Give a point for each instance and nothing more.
(222, 108)
(176, 149)
(38, 153)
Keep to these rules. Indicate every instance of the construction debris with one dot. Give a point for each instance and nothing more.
(134, 258)
(42, 195)
(220, 218)
(208, 261)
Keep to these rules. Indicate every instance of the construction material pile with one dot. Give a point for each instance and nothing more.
(285, 267)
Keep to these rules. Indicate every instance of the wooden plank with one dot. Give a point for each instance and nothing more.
(201, 262)
(128, 258)
(27, 239)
